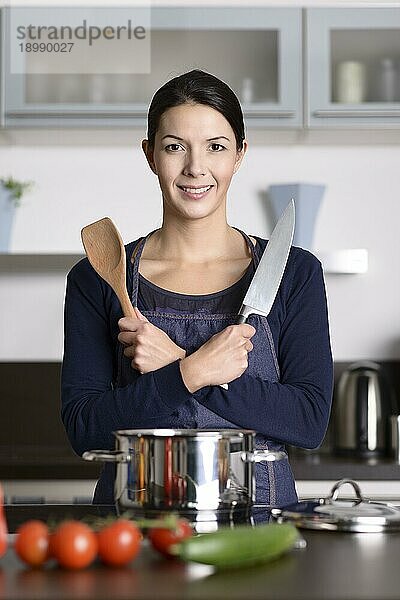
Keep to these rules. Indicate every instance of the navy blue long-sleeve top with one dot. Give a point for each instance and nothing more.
(294, 410)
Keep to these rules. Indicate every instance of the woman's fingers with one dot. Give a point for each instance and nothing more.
(139, 314)
(129, 323)
(246, 330)
(127, 338)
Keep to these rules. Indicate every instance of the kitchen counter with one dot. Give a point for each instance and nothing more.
(44, 462)
(33, 462)
(334, 566)
(50, 462)
(320, 465)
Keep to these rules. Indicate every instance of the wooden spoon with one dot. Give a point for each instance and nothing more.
(106, 253)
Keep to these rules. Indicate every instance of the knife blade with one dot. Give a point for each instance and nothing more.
(267, 278)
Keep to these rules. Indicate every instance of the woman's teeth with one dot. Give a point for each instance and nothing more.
(196, 190)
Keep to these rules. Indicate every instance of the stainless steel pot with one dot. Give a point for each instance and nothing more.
(186, 470)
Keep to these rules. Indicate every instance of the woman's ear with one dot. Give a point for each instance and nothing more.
(149, 155)
(239, 156)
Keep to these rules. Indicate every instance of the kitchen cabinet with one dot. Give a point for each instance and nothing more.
(256, 50)
(353, 68)
(350, 79)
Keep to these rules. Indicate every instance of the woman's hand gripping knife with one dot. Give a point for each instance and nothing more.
(223, 358)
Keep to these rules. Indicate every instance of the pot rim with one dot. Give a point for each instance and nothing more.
(190, 433)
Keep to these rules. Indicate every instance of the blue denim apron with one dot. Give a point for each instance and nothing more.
(274, 480)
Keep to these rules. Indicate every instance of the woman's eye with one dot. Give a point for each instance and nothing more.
(215, 147)
(219, 145)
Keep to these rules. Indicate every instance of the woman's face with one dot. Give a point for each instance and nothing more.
(194, 158)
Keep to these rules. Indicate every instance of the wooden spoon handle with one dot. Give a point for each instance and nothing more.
(119, 287)
(124, 299)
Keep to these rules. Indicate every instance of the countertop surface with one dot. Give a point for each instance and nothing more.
(320, 465)
(28, 461)
(333, 566)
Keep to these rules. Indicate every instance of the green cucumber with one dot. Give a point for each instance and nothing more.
(241, 546)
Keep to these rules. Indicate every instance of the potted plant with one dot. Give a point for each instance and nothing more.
(11, 192)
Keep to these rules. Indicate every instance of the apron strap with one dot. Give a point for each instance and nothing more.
(254, 254)
(135, 257)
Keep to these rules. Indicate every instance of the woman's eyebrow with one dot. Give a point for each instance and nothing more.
(218, 137)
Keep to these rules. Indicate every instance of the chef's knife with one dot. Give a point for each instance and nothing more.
(266, 280)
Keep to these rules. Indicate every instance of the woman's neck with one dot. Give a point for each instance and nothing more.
(195, 241)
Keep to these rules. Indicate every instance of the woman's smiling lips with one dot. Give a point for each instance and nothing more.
(195, 193)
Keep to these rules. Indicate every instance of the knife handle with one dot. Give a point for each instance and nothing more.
(239, 320)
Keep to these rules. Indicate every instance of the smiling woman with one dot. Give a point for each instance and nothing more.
(194, 174)
(194, 167)
(187, 281)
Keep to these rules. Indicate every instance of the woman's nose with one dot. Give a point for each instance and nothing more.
(194, 165)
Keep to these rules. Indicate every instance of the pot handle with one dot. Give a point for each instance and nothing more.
(263, 455)
(115, 456)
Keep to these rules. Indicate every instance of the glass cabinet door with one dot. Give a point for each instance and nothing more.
(256, 50)
(353, 58)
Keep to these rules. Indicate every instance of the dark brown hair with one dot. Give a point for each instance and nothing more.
(197, 87)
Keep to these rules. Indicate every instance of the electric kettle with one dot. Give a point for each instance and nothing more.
(362, 407)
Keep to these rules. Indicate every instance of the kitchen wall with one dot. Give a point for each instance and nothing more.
(82, 176)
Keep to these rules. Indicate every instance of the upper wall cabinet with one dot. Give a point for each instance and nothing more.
(353, 64)
(256, 50)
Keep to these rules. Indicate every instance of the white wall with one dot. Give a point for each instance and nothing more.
(82, 176)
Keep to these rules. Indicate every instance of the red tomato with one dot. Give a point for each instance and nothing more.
(162, 539)
(119, 542)
(74, 545)
(52, 542)
(32, 543)
(3, 526)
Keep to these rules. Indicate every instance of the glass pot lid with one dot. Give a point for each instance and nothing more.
(359, 514)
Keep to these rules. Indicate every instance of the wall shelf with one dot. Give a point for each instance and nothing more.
(352, 261)
(21, 262)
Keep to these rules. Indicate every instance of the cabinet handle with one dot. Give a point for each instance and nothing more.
(77, 114)
(276, 114)
(357, 112)
(23, 114)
